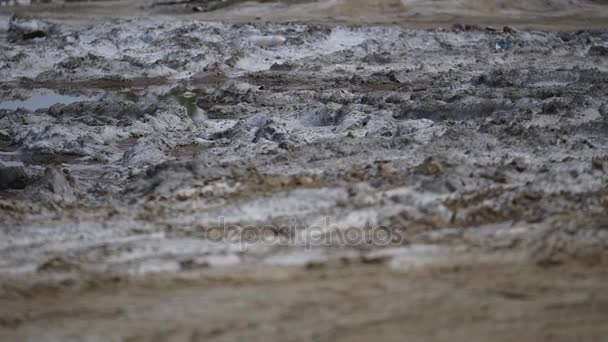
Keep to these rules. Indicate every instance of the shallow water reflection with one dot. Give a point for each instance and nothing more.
(44, 98)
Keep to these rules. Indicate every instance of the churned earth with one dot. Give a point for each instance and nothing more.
(177, 179)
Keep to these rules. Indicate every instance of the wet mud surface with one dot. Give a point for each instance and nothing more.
(302, 182)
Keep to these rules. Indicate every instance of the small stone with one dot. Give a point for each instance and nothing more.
(599, 163)
(509, 29)
(598, 51)
(26, 29)
(519, 164)
(551, 107)
(13, 176)
(58, 264)
(496, 176)
(604, 110)
(282, 66)
(58, 184)
(430, 167)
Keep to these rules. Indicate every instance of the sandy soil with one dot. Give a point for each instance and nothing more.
(166, 178)
(531, 14)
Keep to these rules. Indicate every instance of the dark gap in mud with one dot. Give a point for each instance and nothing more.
(455, 111)
(51, 158)
(104, 83)
(7, 148)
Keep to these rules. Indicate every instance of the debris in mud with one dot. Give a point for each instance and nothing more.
(13, 175)
(431, 166)
(509, 29)
(503, 44)
(58, 264)
(554, 107)
(600, 163)
(598, 51)
(22, 29)
(58, 184)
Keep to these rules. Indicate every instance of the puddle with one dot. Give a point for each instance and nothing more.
(23, 2)
(44, 101)
(188, 100)
(44, 98)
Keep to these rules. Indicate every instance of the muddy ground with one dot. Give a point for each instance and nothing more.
(171, 178)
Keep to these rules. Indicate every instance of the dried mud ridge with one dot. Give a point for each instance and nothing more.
(489, 165)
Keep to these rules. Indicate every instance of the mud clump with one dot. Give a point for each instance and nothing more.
(604, 110)
(496, 79)
(329, 115)
(13, 176)
(58, 184)
(462, 110)
(24, 29)
(598, 51)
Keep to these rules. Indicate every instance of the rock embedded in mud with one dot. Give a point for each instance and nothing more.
(431, 166)
(229, 94)
(58, 184)
(598, 51)
(13, 176)
(604, 110)
(465, 27)
(554, 107)
(494, 79)
(287, 66)
(330, 115)
(73, 63)
(21, 29)
(509, 29)
(599, 163)
(519, 164)
(58, 264)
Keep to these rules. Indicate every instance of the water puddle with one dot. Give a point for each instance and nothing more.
(24, 2)
(44, 98)
(38, 101)
(186, 99)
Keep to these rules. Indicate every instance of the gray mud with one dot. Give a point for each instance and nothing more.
(137, 154)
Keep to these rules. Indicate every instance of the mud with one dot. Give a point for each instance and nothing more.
(302, 181)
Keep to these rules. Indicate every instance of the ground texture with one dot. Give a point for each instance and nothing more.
(176, 179)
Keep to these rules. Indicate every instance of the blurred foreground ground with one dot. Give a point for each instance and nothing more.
(540, 14)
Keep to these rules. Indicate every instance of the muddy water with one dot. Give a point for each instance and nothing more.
(39, 101)
(45, 98)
